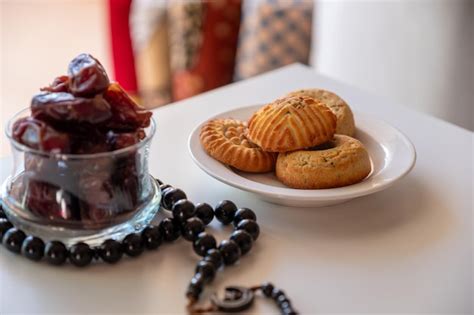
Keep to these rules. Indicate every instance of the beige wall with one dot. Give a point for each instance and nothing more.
(419, 53)
(38, 39)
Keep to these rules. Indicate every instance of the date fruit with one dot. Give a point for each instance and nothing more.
(126, 114)
(64, 108)
(60, 84)
(50, 201)
(122, 140)
(87, 76)
(36, 134)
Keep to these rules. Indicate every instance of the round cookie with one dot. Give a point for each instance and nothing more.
(226, 141)
(340, 162)
(345, 118)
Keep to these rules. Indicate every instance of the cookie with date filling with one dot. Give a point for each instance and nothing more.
(226, 141)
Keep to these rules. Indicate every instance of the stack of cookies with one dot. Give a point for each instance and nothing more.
(306, 137)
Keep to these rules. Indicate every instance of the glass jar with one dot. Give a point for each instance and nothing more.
(80, 197)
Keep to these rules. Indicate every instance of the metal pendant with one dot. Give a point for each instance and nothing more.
(236, 299)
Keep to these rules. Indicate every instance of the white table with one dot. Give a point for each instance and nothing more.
(406, 249)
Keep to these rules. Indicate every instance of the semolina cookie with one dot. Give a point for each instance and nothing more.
(345, 118)
(292, 123)
(226, 141)
(342, 161)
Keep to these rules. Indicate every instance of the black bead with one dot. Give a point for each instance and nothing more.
(289, 311)
(203, 243)
(5, 225)
(169, 230)
(183, 210)
(206, 269)
(95, 253)
(133, 245)
(267, 289)
(170, 196)
(214, 256)
(204, 212)
(243, 239)
(251, 227)
(195, 287)
(197, 280)
(283, 301)
(110, 251)
(225, 211)
(230, 251)
(164, 186)
(242, 214)
(55, 253)
(152, 237)
(192, 228)
(193, 292)
(80, 254)
(159, 182)
(13, 239)
(277, 293)
(284, 305)
(33, 248)
(163, 192)
(177, 224)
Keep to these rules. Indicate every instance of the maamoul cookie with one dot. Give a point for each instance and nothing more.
(345, 118)
(340, 162)
(226, 141)
(292, 123)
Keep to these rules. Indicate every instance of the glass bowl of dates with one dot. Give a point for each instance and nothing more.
(80, 152)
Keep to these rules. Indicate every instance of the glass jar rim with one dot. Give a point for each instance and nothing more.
(66, 156)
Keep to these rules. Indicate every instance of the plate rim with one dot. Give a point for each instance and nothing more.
(292, 193)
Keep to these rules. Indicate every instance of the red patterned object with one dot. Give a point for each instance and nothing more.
(122, 52)
(212, 63)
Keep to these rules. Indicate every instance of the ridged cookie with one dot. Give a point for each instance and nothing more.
(341, 162)
(226, 141)
(345, 118)
(292, 123)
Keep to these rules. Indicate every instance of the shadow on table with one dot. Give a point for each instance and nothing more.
(401, 220)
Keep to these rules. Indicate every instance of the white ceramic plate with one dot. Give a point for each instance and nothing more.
(391, 152)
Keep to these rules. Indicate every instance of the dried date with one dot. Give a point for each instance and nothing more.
(94, 141)
(88, 141)
(51, 202)
(126, 114)
(87, 76)
(55, 171)
(118, 141)
(90, 146)
(60, 84)
(64, 108)
(38, 135)
(125, 177)
(128, 193)
(102, 197)
(96, 189)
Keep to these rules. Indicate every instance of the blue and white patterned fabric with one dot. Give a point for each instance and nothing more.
(273, 33)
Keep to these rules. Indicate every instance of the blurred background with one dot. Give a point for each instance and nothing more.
(419, 53)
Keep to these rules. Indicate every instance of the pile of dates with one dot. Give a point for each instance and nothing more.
(82, 114)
